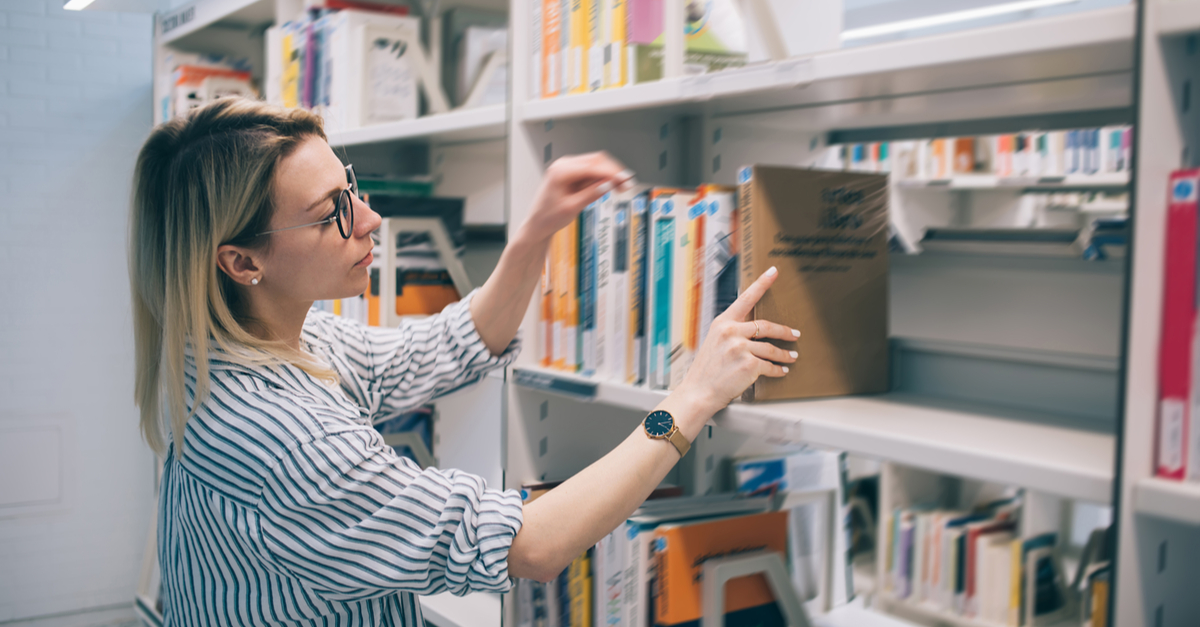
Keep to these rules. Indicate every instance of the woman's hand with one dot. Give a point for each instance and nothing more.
(569, 185)
(732, 358)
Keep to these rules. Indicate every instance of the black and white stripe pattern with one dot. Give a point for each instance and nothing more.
(288, 509)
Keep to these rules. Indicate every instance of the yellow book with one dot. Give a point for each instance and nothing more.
(1016, 584)
(551, 48)
(290, 90)
(596, 9)
(683, 335)
(580, 45)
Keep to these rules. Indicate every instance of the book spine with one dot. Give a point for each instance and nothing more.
(551, 47)
(587, 289)
(596, 44)
(662, 247)
(635, 355)
(573, 337)
(558, 284)
(615, 60)
(749, 272)
(578, 51)
(683, 263)
(637, 579)
(1178, 322)
(546, 311)
(603, 293)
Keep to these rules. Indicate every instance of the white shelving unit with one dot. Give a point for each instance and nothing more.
(1167, 499)
(463, 125)
(978, 395)
(1158, 543)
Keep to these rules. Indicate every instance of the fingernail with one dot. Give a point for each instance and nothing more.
(785, 370)
(795, 333)
(770, 271)
(606, 187)
(629, 184)
(794, 354)
(625, 175)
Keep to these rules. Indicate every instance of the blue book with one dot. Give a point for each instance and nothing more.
(587, 288)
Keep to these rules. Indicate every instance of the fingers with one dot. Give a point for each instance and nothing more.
(772, 353)
(590, 173)
(767, 331)
(746, 301)
(622, 180)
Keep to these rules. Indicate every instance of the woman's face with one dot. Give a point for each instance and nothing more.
(316, 262)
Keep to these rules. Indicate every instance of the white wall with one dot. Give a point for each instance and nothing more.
(75, 477)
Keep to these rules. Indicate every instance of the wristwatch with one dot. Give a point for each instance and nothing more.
(660, 425)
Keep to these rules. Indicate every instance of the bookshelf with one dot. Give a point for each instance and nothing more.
(963, 365)
(1157, 540)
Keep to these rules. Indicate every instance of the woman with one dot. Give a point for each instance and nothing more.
(280, 504)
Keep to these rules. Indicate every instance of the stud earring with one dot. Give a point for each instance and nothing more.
(254, 281)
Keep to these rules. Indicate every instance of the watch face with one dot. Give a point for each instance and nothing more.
(658, 424)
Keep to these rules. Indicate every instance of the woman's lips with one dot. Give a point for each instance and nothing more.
(365, 261)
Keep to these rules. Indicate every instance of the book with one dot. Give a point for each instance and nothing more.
(686, 286)
(639, 245)
(717, 253)
(1177, 394)
(537, 55)
(551, 69)
(587, 289)
(558, 285)
(660, 304)
(615, 60)
(570, 288)
(602, 296)
(613, 302)
(827, 234)
(681, 550)
(714, 38)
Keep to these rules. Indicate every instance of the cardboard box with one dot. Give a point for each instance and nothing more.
(827, 234)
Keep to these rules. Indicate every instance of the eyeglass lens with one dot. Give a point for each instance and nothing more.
(345, 208)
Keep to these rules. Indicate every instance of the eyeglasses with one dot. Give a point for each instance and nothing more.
(343, 210)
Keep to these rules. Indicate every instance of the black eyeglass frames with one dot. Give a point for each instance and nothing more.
(343, 210)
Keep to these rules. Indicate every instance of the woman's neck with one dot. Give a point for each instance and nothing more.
(277, 320)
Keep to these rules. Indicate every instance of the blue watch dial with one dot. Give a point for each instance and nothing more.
(659, 424)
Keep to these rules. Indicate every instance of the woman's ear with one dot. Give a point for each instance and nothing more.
(239, 263)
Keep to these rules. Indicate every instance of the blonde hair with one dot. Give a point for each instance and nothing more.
(202, 181)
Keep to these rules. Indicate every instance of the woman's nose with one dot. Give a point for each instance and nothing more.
(365, 219)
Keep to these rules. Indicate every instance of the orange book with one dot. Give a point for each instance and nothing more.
(695, 284)
(424, 292)
(681, 551)
(571, 272)
(551, 48)
(558, 298)
(546, 312)
(964, 155)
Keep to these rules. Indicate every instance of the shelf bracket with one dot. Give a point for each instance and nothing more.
(718, 572)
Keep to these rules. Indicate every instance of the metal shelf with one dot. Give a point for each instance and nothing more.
(177, 24)
(1112, 181)
(988, 443)
(461, 125)
(479, 609)
(1090, 47)
(1164, 498)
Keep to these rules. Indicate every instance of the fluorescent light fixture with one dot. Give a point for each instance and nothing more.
(948, 18)
(77, 5)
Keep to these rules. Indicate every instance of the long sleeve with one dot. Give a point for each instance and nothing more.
(397, 370)
(352, 520)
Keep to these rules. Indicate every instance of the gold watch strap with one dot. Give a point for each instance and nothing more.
(680, 441)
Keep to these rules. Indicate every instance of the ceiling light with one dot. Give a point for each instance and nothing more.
(950, 18)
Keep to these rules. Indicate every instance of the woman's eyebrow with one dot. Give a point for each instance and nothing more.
(322, 199)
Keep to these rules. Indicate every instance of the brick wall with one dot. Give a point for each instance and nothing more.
(75, 477)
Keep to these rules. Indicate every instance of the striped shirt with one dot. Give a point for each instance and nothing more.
(288, 509)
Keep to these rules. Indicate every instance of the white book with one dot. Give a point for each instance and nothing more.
(603, 295)
(370, 81)
(720, 271)
(618, 318)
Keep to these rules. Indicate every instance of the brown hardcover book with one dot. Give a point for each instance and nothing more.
(827, 233)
